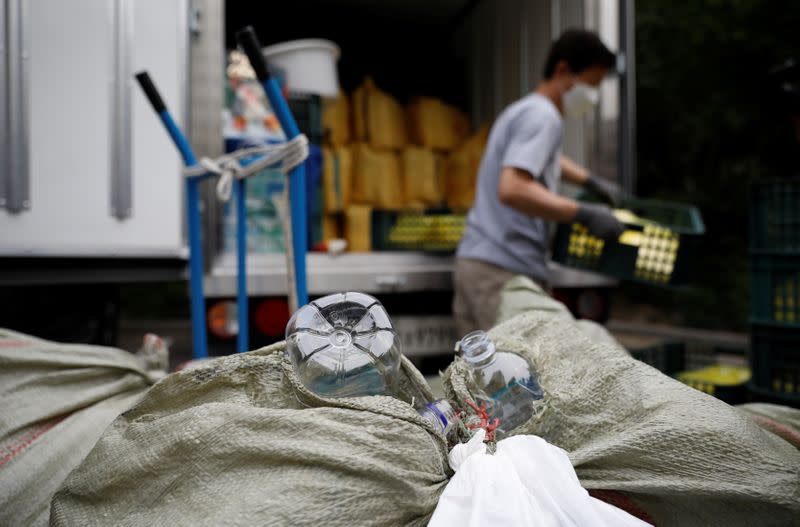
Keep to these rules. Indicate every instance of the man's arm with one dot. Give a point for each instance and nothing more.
(520, 191)
(572, 171)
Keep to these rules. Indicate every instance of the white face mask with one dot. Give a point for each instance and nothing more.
(580, 99)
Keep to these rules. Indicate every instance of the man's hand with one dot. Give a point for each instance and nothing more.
(604, 189)
(599, 220)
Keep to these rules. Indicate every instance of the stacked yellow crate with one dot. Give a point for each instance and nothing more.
(337, 165)
(381, 156)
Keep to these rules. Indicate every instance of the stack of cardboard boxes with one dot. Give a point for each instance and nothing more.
(381, 156)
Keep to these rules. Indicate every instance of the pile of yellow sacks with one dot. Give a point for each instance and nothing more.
(380, 155)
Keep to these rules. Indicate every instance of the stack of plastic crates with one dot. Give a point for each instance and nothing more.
(431, 231)
(775, 299)
(658, 247)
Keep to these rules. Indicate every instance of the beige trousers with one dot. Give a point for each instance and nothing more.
(477, 287)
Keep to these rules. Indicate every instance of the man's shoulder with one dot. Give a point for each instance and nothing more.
(543, 107)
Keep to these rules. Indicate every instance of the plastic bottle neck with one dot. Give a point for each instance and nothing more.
(441, 415)
(477, 348)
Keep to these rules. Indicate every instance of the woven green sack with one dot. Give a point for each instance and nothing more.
(240, 441)
(55, 402)
(684, 457)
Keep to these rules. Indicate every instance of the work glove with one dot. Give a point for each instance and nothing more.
(599, 220)
(604, 189)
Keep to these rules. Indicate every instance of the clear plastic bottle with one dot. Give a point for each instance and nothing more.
(441, 415)
(507, 380)
(344, 345)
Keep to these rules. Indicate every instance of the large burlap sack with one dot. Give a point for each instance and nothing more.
(377, 178)
(435, 124)
(55, 402)
(358, 228)
(336, 120)
(239, 441)
(337, 178)
(332, 227)
(378, 119)
(522, 295)
(782, 421)
(423, 177)
(461, 170)
(683, 456)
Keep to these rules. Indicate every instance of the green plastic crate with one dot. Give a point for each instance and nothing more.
(775, 216)
(307, 112)
(775, 361)
(417, 231)
(661, 251)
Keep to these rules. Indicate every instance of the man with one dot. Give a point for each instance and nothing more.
(507, 230)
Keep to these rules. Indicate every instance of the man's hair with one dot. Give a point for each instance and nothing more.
(581, 50)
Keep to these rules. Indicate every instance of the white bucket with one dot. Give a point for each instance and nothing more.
(309, 65)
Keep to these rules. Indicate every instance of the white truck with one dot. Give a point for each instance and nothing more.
(91, 189)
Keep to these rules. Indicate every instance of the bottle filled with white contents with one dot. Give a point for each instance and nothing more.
(507, 381)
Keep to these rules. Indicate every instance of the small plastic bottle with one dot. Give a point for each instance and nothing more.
(441, 415)
(507, 380)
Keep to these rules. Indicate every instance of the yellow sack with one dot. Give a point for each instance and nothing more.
(358, 228)
(461, 171)
(337, 178)
(331, 227)
(378, 118)
(377, 178)
(423, 177)
(336, 120)
(435, 124)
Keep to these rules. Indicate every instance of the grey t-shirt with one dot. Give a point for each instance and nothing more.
(526, 135)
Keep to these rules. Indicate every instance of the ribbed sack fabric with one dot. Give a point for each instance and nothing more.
(683, 456)
(55, 402)
(783, 421)
(240, 441)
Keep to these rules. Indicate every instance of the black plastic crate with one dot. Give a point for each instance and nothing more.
(666, 357)
(775, 215)
(658, 250)
(417, 231)
(775, 289)
(307, 112)
(775, 361)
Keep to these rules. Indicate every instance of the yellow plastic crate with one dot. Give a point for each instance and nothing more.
(727, 383)
(417, 231)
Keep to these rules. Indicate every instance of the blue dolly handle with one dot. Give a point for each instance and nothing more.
(195, 248)
(248, 40)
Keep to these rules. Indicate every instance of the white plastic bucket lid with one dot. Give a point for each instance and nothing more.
(308, 65)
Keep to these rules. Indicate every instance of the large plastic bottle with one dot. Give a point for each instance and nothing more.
(344, 345)
(507, 380)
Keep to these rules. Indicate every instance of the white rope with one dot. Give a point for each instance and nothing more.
(289, 154)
